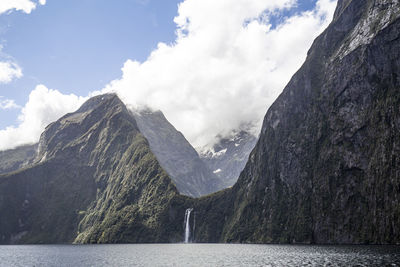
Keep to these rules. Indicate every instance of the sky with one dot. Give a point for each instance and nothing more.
(212, 66)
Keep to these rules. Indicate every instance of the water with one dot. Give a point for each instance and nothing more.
(198, 255)
(187, 225)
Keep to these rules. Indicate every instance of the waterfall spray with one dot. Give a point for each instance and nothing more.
(194, 226)
(187, 224)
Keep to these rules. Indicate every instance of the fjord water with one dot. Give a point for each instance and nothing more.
(198, 255)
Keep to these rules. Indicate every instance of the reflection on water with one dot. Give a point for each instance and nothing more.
(198, 255)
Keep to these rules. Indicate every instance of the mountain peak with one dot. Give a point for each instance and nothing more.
(94, 166)
(95, 115)
(98, 100)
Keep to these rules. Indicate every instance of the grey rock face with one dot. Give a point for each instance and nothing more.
(15, 159)
(326, 168)
(377, 15)
(229, 156)
(176, 155)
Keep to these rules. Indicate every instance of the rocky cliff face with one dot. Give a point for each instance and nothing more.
(15, 159)
(228, 157)
(176, 155)
(95, 180)
(326, 168)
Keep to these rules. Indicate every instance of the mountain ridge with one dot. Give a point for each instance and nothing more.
(176, 155)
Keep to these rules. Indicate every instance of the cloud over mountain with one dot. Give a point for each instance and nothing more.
(228, 64)
(226, 67)
(43, 107)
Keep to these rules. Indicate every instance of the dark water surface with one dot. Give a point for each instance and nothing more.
(198, 255)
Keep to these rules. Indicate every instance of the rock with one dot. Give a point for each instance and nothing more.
(14, 159)
(176, 155)
(326, 168)
(228, 157)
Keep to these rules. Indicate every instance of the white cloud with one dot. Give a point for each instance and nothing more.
(8, 104)
(226, 67)
(9, 71)
(43, 107)
(20, 5)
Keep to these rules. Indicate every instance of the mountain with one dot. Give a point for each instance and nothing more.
(176, 155)
(228, 156)
(326, 168)
(94, 180)
(15, 159)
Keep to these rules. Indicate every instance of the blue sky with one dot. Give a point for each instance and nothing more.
(80, 46)
(77, 46)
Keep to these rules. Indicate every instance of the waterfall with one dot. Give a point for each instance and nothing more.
(187, 224)
(194, 226)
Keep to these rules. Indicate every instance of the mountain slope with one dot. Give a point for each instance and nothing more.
(95, 180)
(326, 168)
(228, 157)
(176, 155)
(17, 158)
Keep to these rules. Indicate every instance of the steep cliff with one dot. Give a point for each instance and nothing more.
(176, 155)
(326, 168)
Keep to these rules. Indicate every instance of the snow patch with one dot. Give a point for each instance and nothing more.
(220, 153)
(212, 154)
(217, 171)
